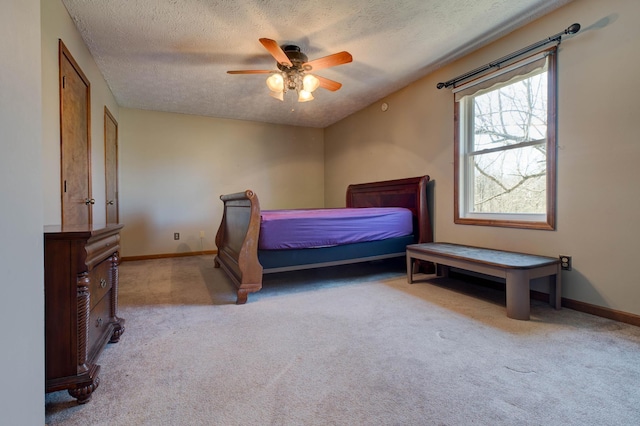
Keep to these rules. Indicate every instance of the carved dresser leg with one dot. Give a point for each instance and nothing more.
(83, 393)
(242, 297)
(117, 332)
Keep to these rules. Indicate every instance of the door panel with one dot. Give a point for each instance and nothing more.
(111, 166)
(75, 143)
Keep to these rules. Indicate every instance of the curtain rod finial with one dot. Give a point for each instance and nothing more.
(573, 29)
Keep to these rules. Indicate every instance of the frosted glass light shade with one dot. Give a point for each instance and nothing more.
(277, 95)
(304, 96)
(310, 83)
(275, 82)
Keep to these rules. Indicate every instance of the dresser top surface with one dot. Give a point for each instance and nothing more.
(82, 230)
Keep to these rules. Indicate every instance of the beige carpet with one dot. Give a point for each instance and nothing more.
(353, 345)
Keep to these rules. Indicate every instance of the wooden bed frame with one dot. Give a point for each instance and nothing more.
(239, 231)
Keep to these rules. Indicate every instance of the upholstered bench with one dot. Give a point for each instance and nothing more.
(516, 268)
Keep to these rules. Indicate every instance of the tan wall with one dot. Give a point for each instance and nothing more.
(56, 24)
(21, 252)
(598, 150)
(174, 168)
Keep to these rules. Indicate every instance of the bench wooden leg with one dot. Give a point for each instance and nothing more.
(555, 289)
(518, 301)
(442, 270)
(409, 269)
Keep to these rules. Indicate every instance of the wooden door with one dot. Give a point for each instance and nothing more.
(111, 166)
(75, 141)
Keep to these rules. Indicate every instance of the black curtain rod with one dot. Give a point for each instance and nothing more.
(496, 64)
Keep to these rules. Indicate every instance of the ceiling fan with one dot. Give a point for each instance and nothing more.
(294, 71)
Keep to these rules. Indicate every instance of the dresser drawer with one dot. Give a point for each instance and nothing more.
(101, 247)
(99, 320)
(100, 281)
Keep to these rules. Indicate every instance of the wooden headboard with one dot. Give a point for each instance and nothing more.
(410, 193)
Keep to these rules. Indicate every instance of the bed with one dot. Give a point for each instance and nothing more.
(243, 258)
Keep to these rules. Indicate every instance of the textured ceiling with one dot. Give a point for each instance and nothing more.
(172, 55)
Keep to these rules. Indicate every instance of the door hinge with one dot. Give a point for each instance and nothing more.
(64, 81)
(65, 186)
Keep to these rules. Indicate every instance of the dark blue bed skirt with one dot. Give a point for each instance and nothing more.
(285, 260)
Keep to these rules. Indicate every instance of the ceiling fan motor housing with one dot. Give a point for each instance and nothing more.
(296, 57)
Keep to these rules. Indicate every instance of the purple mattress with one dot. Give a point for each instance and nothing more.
(297, 229)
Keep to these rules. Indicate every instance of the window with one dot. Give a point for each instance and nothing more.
(505, 146)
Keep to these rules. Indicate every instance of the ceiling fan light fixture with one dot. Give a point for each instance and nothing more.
(292, 79)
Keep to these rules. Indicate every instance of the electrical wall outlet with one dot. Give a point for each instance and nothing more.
(201, 234)
(176, 235)
(565, 262)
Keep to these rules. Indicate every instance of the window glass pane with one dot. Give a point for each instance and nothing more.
(511, 114)
(510, 181)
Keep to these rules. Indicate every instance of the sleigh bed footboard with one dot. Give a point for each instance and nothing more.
(237, 242)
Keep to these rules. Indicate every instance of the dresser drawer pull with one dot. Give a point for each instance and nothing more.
(103, 283)
(98, 322)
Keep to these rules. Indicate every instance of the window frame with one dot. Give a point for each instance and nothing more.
(512, 220)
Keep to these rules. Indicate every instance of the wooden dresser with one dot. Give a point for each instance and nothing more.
(81, 304)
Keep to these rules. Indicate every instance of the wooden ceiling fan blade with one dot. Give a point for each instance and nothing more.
(249, 72)
(276, 51)
(325, 83)
(328, 61)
